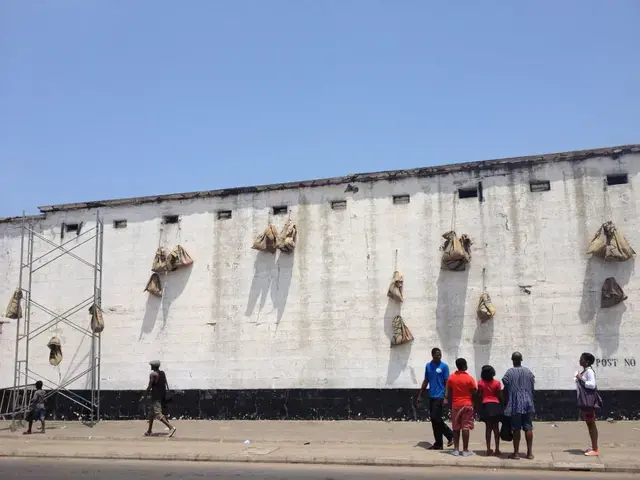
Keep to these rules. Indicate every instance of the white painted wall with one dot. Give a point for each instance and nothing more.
(321, 318)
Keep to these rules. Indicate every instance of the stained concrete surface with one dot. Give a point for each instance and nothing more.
(35, 469)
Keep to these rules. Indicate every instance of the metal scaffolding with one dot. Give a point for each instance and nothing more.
(24, 376)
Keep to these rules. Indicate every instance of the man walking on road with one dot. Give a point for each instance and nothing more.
(518, 384)
(158, 389)
(436, 375)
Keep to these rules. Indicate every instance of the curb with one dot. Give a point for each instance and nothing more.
(310, 460)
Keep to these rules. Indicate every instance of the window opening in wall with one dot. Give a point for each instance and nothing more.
(540, 186)
(617, 179)
(280, 210)
(470, 192)
(71, 227)
(119, 224)
(400, 199)
(169, 219)
(339, 204)
(224, 214)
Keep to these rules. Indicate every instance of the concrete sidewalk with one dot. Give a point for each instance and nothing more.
(556, 446)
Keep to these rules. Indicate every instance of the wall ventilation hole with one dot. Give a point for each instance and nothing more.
(468, 192)
(280, 210)
(339, 205)
(170, 219)
(540, 186)
(617, 179)
(119, 224)
(224, 214)
(400, 199)
(71, 227)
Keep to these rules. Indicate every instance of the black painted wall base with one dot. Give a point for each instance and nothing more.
(322, 404)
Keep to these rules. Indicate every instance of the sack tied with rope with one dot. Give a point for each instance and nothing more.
(14, 309)
(160, 261)
(178, 258)
(267, 241)
(456, 251)
(609, 243)
(612, 293)
(154, 286)
(486, 309)
(396, 287)
(401, 333)
(97, 321)
(55, 351)
(287, 238)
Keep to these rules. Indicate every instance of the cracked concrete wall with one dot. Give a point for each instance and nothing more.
(320, 318)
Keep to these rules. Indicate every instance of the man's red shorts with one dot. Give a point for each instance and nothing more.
(462, 418)
(588, 414)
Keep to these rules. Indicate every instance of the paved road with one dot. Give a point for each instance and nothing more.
(32, 469)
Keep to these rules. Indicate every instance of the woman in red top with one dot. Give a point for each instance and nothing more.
(490, 396)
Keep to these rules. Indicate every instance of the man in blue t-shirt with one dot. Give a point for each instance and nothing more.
(436, 375)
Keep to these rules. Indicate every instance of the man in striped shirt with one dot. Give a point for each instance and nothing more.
(519, 386)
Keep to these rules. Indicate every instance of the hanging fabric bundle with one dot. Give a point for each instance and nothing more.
(154, 287)
(97, 322)
(486, 310)
(160, 261)
(396, 287)
(267, 240)
(178, 258)
(609, 243)
(55, 351)
(14, 309)
(612, 293)
(456, 251)
(287, 237)
(401, 333)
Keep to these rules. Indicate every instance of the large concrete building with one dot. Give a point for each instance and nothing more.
(248, 334)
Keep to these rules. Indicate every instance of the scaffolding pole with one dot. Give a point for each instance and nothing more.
(24, 376)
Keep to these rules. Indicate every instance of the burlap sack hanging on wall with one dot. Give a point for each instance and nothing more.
(178, 258)
(154, 286)
(456, 251)
(612, 293)
(396, 287)
(14, 309)
(287, 237)
(160, 261)
(55, 351)
(97, 321)
(267, 240)
(609, 243)
(401, 333)
(486, 310)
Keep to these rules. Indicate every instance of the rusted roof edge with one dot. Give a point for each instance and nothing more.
(512, 162)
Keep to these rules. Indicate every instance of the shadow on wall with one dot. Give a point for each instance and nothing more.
(399, 355)
(607, 327)
(262, 267)
(282, 282)
(482, 340)
(173, 284)
(452, 294)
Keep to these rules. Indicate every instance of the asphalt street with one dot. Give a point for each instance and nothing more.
(33, 469)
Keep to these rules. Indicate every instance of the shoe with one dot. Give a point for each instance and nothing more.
(466, 453)
(435, 447)
(455, 453)
(592, 453)
(449, 442)
(172, 432)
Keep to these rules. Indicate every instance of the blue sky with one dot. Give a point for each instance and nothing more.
(107, 99)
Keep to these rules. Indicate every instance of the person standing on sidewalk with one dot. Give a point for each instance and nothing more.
(461, 390)
(158, 389)
(490, 400)
(518, 384)
(36, 408)
(436, 374)
(588, 399)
